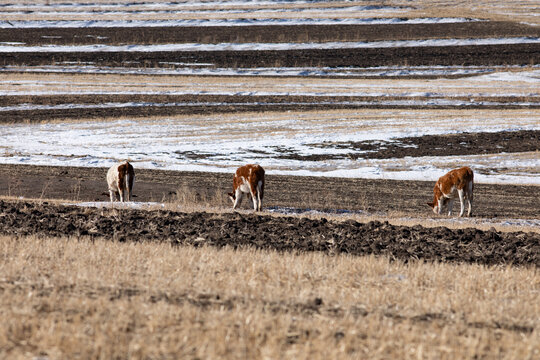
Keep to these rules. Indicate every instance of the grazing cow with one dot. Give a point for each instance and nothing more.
(458, 182)
(248, 179)
(120, 178)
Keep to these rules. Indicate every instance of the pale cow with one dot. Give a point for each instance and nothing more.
(248, 179)
(456, 183)
(120, 178)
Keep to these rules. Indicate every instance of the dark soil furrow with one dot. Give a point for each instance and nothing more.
(74, 114)
(274, 33)
(431, 145)
(477, 55)
(231, 100)
(275, 233)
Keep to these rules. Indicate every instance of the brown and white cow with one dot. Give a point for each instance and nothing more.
(120, 179)
(456, 183)
(248, 179)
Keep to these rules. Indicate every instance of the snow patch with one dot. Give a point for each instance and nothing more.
(218, 143)
(23, 24)
(268, 46)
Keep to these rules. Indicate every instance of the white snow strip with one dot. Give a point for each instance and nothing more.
(153, 4)
(31, 107)
(138, 205)
(500, 77)
(496, 75)
(253, 12)
(424, 98)
(197, 69)
(192, 4)
(18, 24)
(267, 46)
(428, 102)
(250, 6)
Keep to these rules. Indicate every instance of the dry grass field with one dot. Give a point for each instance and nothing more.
(170, 84)
(63, 298)
(513, 10)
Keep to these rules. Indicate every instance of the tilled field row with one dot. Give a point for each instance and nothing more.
(108, 100)
(275, 233)
(69, 111)
(274, 33)
(483, 55)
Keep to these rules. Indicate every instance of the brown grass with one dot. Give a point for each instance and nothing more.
(64, 298)
(512, 10)
(155, 84)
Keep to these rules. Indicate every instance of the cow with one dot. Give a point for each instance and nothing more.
(248, 179)
(120, 178)
(458, 182)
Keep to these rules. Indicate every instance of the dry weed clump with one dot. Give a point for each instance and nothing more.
(65, 298)
(188, 200)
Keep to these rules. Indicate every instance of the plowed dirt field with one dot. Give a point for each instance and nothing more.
(264, 230)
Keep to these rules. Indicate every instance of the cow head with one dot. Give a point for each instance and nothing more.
(439, 200)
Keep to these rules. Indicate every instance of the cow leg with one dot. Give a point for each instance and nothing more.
(259, 202)
(440, 205)
(259, 191)
(250, 198)
(238, 198)
(470, 200)
(112, 195)
(254, 199)
(461, 202)
(129, 186)
(469, 212)
(450, 206)
(120, 191)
